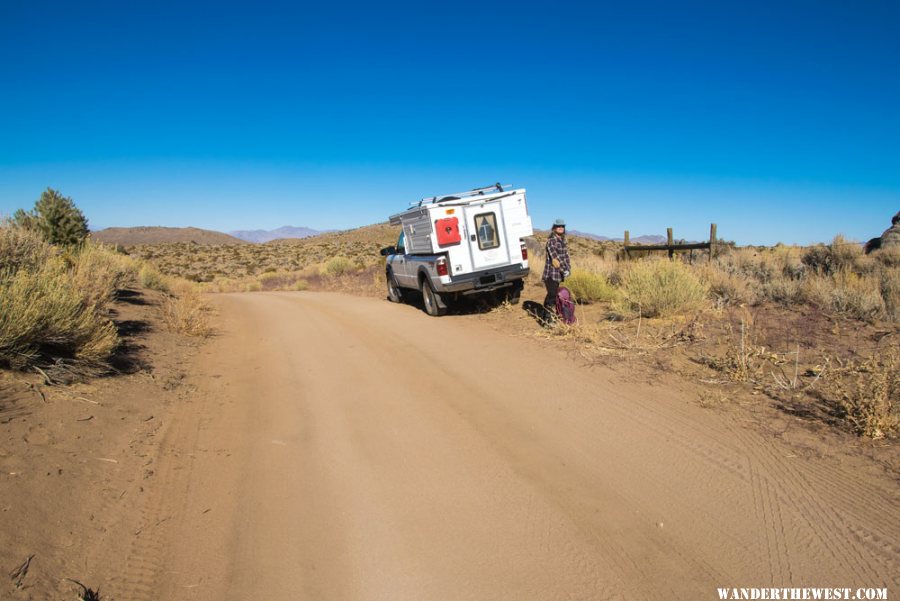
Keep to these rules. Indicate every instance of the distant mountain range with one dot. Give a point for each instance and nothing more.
(287, 231)
(130, 236)
(655, 239)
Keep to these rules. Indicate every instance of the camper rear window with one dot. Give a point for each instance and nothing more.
(486, 228)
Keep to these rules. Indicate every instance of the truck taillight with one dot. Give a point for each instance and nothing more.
(441, 266)
(524, 252)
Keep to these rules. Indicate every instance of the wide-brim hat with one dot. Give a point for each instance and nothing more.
(559, 223)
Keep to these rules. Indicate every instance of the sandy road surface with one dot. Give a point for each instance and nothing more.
(347, 448)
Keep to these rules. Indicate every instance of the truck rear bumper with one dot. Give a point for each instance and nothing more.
(484, 281)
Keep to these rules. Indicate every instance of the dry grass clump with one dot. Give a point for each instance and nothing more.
(21, 248)
(659, 288)
(836, 277)
(888, 257)
(279, 280)
(870, 395)
(890, 292)
(727, 287)
(182, 309)
(186, 312)
(48, 318)
(847, 292)
(99, 272)
(150, 277)
(750, 276)
(840, 255)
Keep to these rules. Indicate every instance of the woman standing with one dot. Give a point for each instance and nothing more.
(557, 266)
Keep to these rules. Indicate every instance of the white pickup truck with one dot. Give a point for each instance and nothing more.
(460, 244)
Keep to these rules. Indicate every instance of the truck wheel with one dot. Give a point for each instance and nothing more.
(434, 304)
(395, 295)
(515, 292)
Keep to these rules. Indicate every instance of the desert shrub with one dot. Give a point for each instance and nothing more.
(46, 317)
(21, 248)
(338, 266)
(99, 272)
(787, 261)
(870, 395)
(150, 277)
(757, 265)
(56, 218)
(186, 314)
(846, 292)
(660, 288)
(888, 257)
(784, 291)
(890, 293)
(277, 280)
(301, 285)
(841, 254)
(845, 254)
(588, 287)
(728, 288)
(760, 265)
(817, 258)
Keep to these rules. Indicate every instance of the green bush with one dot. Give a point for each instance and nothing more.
(659, 288)
(56, 218)
(338, 266)
(150, 277)
(589, 287)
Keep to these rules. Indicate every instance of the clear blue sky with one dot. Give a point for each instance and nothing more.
(778, 120)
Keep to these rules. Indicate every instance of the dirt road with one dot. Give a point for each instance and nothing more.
(347, 448)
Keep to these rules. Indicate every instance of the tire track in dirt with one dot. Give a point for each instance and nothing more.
(831, 504)
(397, 456)
(146, 558)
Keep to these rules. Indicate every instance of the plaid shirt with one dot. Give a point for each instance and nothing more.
(556, 249)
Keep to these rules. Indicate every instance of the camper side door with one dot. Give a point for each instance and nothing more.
(487, 235)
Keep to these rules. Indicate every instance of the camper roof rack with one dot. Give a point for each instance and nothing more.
(498, 187)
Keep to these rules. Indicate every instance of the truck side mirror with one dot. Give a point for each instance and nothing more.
(390, 250)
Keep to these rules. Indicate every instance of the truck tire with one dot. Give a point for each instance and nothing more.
(434, 304)
(515, 292)
(395, 294)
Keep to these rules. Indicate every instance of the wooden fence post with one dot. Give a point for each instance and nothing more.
(712, 241)
(625, 245)
(670, 243)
